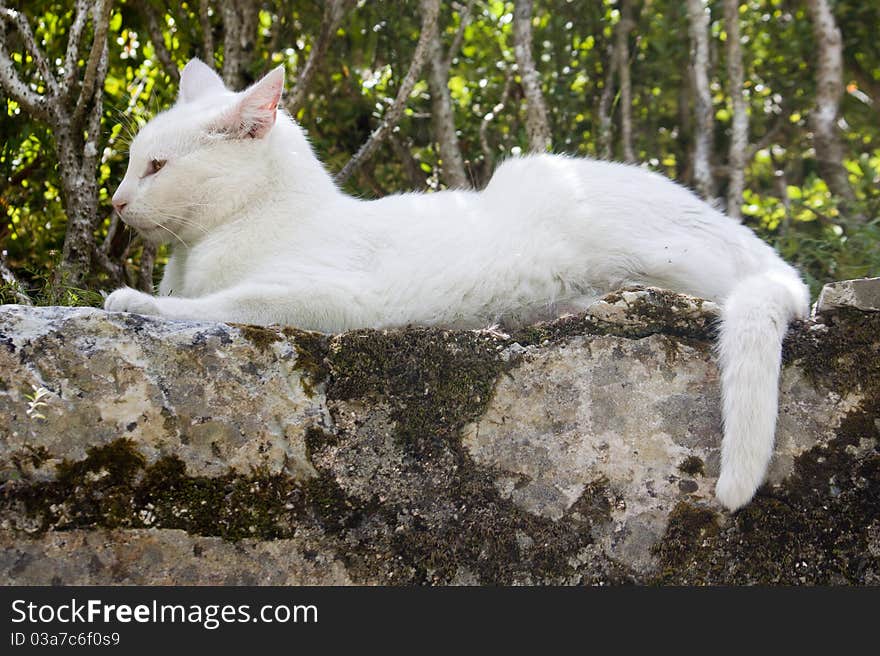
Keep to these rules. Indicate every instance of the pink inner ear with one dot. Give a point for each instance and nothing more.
(259, 107)
(253, 116)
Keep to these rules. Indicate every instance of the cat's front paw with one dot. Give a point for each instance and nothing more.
(734, 491)
(127, 299)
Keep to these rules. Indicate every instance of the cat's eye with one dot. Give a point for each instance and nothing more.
(155, 166)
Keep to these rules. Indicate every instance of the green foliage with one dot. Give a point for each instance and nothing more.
(786, 201)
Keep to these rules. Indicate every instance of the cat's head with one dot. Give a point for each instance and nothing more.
(203, 160)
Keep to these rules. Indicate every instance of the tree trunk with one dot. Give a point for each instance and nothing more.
(739, 135)
(606, 127)
(829, 90)
(537, 124)
(75, 125)
(145, 269)
(684, 155)
(452, 171)
(240, 29)
(698, 27)
(79, 191)
(207, 33)
(624, 27)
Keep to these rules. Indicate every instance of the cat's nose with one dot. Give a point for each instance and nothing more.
(119, 206)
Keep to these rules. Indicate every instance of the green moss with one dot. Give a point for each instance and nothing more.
(114, 487)
(311, 350)
(689, 528)
(316, 438)
(842, 355)
(333, 509)
(260, 336)
(657, 312)
(435, 381)
(23, 462)
(465, 529)
(453, 523)
(232, 506)
(692, 465)
(311, 357)
(595, 502)
(815, 527)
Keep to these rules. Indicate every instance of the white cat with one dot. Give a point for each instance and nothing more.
(262, 235)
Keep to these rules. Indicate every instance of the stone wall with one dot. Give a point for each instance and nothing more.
(584, 451)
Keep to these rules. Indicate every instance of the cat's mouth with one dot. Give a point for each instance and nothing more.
(153, 234)
(149, 231)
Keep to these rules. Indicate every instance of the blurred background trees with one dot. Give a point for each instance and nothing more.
(767, 107)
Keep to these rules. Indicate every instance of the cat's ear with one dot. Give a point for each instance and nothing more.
(198, 79)
(255, 112)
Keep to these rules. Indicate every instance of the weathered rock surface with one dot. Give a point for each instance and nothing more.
(861, 294)
(583, 451)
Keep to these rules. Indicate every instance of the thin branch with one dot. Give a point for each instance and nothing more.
(780, 184)
(115, 228)
(24, 29)
(74, 36)
(93, 127)
(488, 155)
(430, 11)
(464, 13)
(100, 21)
(35, 104)
(778, 126)
(114, 269)
(157, 38)
(411, 168)
(334, 12)
(864, 79)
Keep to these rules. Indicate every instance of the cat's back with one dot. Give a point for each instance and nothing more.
(605, 184)
(606, 210)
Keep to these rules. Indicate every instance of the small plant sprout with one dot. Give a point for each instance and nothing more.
(35, 402)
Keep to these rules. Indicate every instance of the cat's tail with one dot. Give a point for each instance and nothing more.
(754, 320)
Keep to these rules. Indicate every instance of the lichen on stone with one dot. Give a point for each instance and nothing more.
(385, 479)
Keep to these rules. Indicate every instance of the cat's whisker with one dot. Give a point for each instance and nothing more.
(176, 236)
(183, 221)
(170, 214)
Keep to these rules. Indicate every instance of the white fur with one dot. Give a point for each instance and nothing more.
(262, 235)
